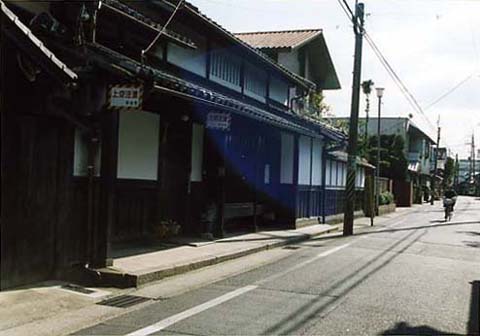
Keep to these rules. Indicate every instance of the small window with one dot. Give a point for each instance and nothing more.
(225, 69)
(279, 91)
(255, 85)
(80, 159)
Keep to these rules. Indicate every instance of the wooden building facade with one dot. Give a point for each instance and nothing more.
(101, 141)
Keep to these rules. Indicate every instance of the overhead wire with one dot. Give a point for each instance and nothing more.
(386, 64)
(449, 92)
(164, 28)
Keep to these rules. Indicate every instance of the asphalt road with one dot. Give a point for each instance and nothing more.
(418, 275)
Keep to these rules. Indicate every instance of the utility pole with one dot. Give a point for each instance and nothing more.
(435, 164)
(474, 163)
(457, 172)
(379, 144)
(358, 28)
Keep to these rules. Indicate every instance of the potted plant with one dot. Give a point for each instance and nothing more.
(173, 227)
(160, 230)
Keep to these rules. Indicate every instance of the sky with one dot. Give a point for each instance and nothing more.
(433, 46)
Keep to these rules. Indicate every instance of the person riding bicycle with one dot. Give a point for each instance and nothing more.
(452, 195)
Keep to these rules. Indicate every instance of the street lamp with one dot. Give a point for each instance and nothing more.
(380, 92)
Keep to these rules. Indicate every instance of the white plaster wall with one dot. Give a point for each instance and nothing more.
(193, 60)
(317, 162)
(197, 153)
(304, 160)
(290, 61)
(138, 145)
(286, 164)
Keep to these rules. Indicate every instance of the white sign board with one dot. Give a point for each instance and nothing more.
(126, 96)
(219, 121)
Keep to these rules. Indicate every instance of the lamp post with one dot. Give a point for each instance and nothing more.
(377, 189)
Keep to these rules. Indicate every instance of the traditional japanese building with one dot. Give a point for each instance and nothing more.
(113, 123)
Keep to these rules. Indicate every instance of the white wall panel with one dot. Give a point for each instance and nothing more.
(197, 153)
(138, 145)
(304, 160)
(328, 173)
(286, 167)
(317, 162)
(193, 60)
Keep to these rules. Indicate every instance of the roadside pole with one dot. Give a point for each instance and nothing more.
(358, 24)
(434, 176)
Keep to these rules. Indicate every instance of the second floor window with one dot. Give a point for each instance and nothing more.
(255, 82)
(225, 69)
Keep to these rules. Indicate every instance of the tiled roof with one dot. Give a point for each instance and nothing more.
(290, 39)
(130, 12)
(32, 41)
(343, 157)
(300, 80)
(167, 82)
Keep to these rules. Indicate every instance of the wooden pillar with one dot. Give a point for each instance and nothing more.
(257, 182)
(324, 182)
(162, 171)
(108, 177)
(296, 152)
(222, 172)
(3, 156)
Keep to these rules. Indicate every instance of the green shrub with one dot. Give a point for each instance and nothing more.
(386, 198)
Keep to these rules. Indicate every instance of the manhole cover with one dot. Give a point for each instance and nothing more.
(123, 301)
(78, 289)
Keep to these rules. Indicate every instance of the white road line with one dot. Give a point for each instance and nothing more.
(224, 298)
(190, 312)
(302, 264)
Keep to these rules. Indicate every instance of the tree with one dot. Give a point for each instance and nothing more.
(393, 162)
(449, 172)
(367, 90)
(319, 107)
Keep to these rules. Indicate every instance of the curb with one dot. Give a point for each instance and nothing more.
(118, 279)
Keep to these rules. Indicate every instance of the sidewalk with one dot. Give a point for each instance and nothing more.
(50, 309)
(138, 270)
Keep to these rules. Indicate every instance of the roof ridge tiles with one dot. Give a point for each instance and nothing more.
(281, 31)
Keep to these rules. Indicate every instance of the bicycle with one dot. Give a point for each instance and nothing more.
(448, 204)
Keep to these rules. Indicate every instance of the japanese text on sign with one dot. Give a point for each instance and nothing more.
(219, 120)
(126, 96)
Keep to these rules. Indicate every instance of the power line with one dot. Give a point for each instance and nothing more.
(164, 28)
(449, 92)
(391, 72)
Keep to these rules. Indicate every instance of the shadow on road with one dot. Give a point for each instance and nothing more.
(409, 228)
(472, 244)
(403, 328)
(471, 233)
(474, 319)
(311, 310)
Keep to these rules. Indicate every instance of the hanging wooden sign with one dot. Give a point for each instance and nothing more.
(128, 96)
(219, 121)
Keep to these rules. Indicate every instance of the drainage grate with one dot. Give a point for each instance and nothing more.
(123, 301)
(291, 247)
(78, 289)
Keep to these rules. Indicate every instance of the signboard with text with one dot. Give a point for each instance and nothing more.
(219, 121)
(125, 97)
